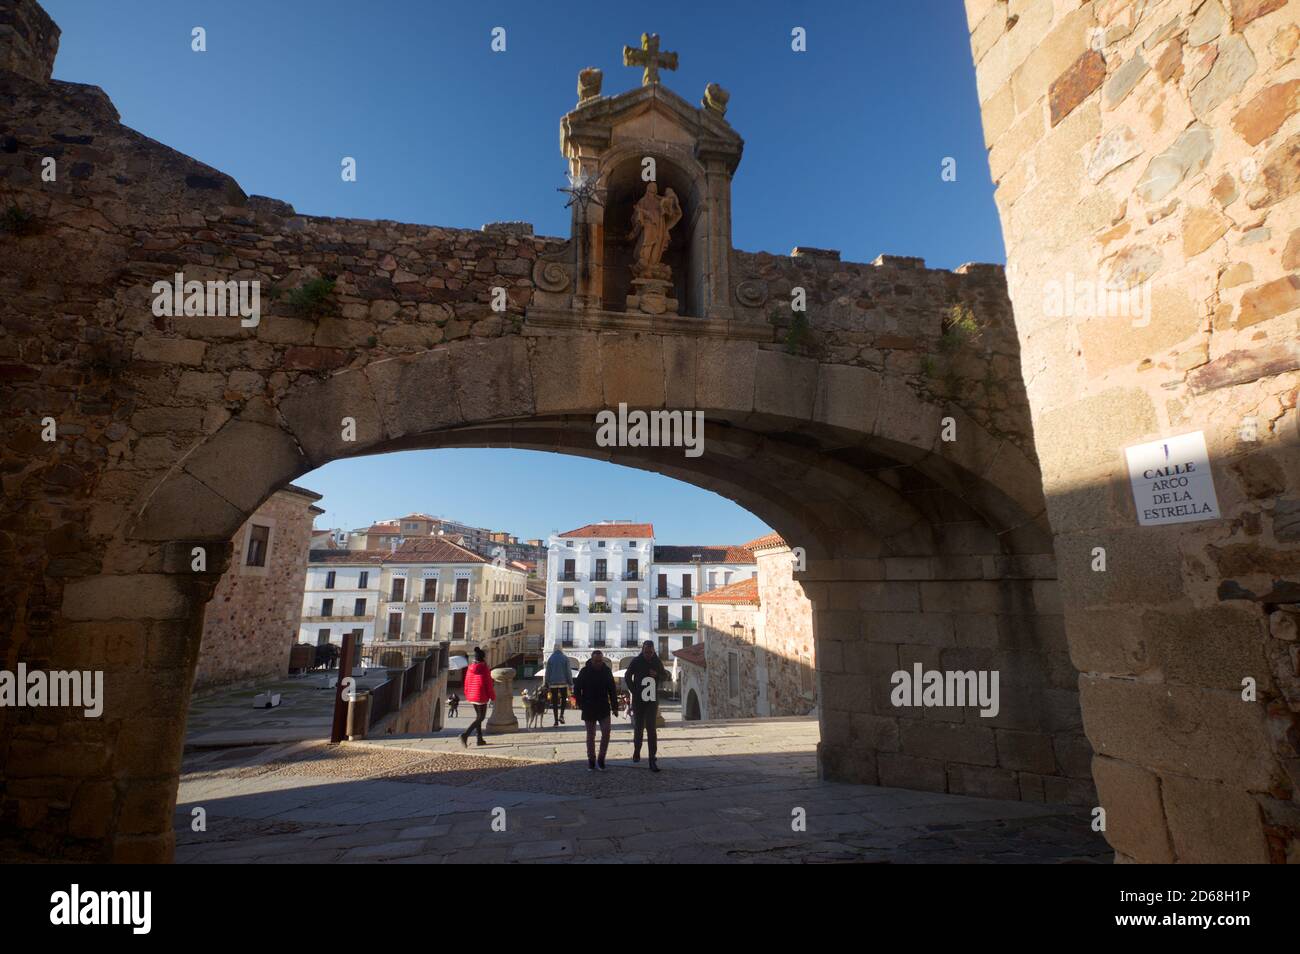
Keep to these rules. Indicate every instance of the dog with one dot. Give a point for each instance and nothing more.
(534, 709)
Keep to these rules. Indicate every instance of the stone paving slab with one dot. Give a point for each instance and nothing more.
(383, 801)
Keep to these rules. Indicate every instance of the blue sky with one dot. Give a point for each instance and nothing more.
(844, 146)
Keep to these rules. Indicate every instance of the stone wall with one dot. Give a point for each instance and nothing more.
(716, 622)
(893, 316)
(1156, 146)
(786, 634)
(421, 714)
(252, 620)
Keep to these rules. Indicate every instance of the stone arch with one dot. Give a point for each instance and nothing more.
(920, 552)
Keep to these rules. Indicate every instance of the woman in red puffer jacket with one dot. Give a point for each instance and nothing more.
(479, 691)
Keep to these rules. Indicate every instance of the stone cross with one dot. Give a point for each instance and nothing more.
(650, 58)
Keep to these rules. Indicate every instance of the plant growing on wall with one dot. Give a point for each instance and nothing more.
(799, 333)
(15, 220)
(311, 299)
(960, 328)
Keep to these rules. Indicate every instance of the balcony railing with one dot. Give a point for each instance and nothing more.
(633, 606)
(314, 613)
(568, 577)
(633, 574)
(570, 608)
(676, 626)
(599, 608)
(599, 576)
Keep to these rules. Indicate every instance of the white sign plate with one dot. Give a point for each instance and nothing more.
(1171, 480)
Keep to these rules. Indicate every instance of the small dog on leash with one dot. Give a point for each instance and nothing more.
(534, 709)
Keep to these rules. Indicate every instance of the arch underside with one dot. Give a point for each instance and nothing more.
(910, 561)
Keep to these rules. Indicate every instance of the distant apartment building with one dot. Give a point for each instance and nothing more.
(426, 589)
(596, 580)
(609, 587)
(756, 655)
(535, 608)
(250, 622)
(679, 576)
(386, 534)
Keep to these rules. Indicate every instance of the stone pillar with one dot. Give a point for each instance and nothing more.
(503, 718)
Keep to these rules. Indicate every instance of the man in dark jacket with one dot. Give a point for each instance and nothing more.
(643, 677)
(597, 697)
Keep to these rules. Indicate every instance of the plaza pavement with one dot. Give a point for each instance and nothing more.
(728, 792)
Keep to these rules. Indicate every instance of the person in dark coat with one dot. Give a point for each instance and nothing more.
(597, 696)
(643, 677)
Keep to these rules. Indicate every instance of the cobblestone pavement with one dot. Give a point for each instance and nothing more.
(729, 792)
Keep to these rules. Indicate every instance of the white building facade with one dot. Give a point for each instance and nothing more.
(679, 575)
(340, 596)
(596, 589)
(427, 590)
(609, 588)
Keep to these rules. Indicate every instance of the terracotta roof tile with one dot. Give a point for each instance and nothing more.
(433, 550)
(415, 550)
(346, 556)
(708, 553)
(744, 591)
(765, 542)
(694, 654)
(613, 530)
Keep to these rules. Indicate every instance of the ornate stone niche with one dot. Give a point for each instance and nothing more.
(695, 153)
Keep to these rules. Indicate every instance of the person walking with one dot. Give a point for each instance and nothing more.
(597, 697)
(453, 704)
(479, 691)
(643, 677)
(559, 680)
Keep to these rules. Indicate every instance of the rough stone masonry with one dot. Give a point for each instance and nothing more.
(173, 430)
(1157, 144)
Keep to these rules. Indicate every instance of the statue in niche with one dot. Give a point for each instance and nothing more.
(653, 217)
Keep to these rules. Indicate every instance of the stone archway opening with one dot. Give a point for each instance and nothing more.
(912, 563)
(692, 706)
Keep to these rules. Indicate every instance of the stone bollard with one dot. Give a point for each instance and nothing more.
(358, 715)
(503, 718)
